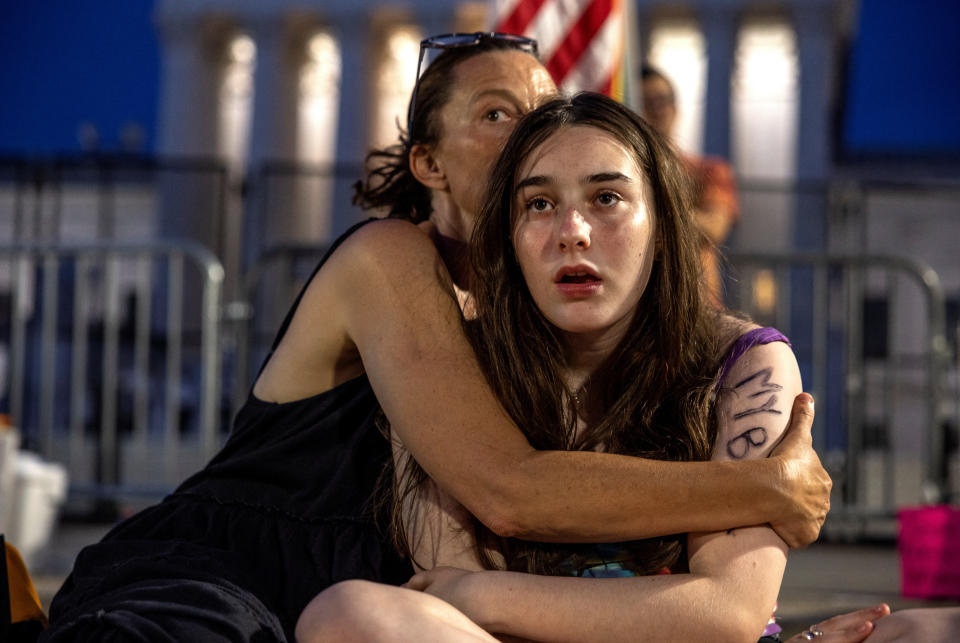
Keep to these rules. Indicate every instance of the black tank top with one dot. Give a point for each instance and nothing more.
(283, 511)
(318, 457)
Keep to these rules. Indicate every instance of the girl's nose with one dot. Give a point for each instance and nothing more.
(574, 230)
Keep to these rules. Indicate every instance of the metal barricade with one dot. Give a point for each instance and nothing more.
(126, 396)
(299, 202)
(254, 320)
(108, 196)
(873, 352)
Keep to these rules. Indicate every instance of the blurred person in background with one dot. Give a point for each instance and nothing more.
(715, 190)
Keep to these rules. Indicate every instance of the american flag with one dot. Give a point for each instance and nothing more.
(583, 43)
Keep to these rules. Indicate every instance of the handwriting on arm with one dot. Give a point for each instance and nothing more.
(754, 386)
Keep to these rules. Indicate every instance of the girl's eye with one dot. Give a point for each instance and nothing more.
(496, 115)
(608, 198)
(538, 204)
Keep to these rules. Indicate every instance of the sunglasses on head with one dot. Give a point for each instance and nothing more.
(454, 40)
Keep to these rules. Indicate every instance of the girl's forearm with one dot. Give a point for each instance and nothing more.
(539, 608)
(728, 595)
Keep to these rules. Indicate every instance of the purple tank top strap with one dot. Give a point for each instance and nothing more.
(745, 342)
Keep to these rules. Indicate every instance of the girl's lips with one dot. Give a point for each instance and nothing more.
(577, 281)
(580, 272)
(579, 289)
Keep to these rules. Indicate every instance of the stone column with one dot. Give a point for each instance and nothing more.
(814, 22)
(188, 116)
(350, 30)
(188, 94)
(272, 133)
(719, 24)
(435, 20)
(192, 178)
(273, 130)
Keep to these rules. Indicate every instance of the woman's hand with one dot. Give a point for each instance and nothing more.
(851, 627)
(806, 484)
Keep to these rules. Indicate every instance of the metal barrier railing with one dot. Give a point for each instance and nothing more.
(288, 266)
(72, 349)
(69, 334)
(879, 378)
(95, 196)
(292, 203)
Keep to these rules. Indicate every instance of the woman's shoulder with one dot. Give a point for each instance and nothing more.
(386, 236)
(386, 246)
(387, 254)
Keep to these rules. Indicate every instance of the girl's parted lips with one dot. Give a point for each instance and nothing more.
(578, 274)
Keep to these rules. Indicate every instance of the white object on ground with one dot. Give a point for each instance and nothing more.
(39, 490)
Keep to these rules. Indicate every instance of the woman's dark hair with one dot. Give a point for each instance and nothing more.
(389, 182)
(648, 71)
(653, 396)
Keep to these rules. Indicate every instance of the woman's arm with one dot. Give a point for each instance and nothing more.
(386, 291)
(734, 576)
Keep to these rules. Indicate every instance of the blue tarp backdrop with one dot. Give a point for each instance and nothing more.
(70, 62)
(902, 94)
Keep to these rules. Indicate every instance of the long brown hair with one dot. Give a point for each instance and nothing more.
(653, 396)
(389, 182)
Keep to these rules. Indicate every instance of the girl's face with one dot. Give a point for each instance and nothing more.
(584, 231)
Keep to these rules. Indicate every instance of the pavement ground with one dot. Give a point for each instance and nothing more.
(822, 580)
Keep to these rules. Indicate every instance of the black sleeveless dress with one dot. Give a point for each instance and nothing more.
(283, 511)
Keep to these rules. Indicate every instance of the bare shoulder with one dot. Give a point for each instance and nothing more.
(755, 400)
(389, 242)
(735, 325)
(377, 264)
(374, 267)
(388, 268)
(731, 327)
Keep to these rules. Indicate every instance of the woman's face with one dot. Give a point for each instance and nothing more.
(491, 91)
(584, 231)
(659, 105)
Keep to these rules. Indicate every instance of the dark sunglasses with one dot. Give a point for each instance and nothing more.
(454, 40)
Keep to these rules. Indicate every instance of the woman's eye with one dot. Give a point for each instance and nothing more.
(496, 115)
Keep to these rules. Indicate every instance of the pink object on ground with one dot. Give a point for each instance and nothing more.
(929, 545)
